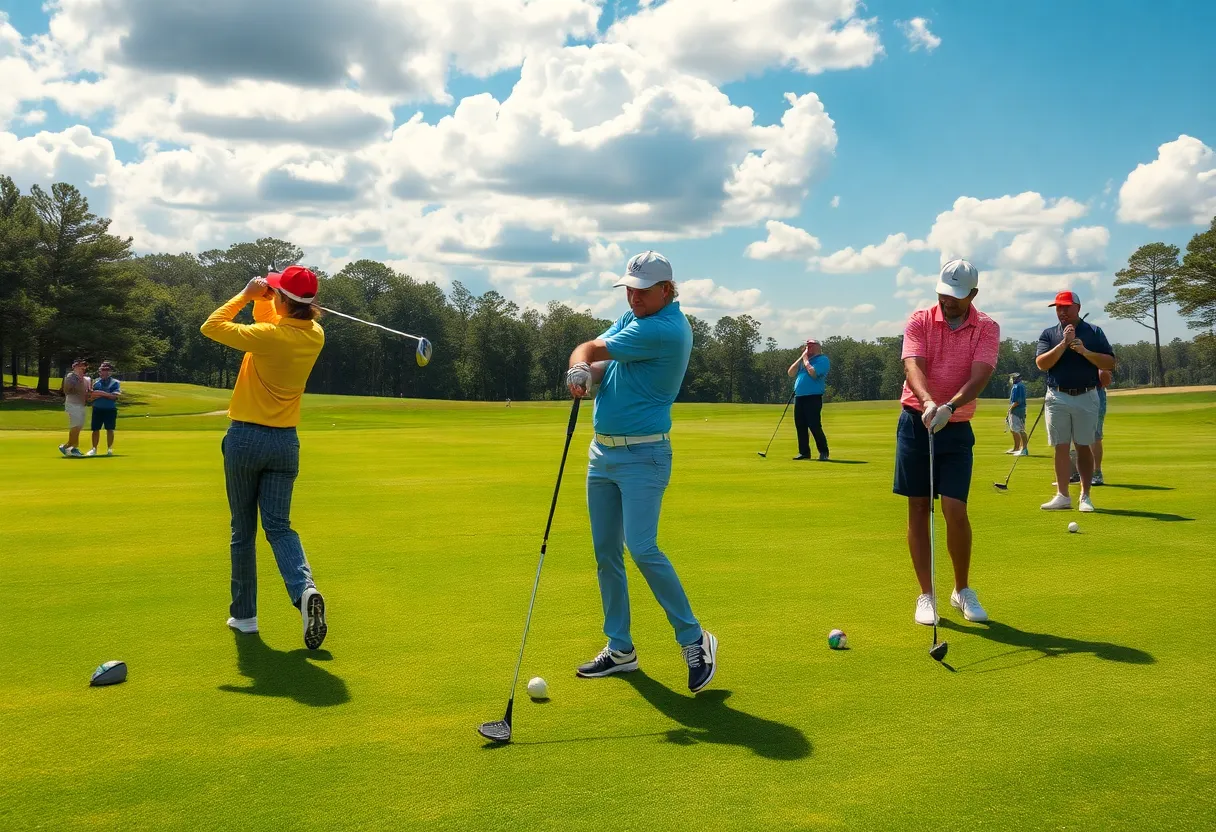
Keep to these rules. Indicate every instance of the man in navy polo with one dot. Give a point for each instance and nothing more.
(640, 363)
(105, 393)
(1071, 353)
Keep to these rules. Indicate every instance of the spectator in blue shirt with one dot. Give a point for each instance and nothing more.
(104, 396)
(1072, 353)
(640, 363)
(1016, 417)
(810, 374)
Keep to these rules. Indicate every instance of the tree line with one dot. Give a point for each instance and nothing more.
(69, 288)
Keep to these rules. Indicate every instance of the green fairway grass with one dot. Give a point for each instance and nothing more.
(1087, 703)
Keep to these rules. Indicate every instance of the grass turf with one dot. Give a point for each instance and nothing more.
(1086, 704)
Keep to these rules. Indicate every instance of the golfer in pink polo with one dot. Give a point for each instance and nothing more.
(949, 354)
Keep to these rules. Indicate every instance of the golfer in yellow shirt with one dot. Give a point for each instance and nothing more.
(261, 448)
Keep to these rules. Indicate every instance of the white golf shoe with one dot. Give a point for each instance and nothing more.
(1060, 502)
(91, 452)
(1086, 505)
(244, 625)
(924, 610)
(964, 599)
(312, 614)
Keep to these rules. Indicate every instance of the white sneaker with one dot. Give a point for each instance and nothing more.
(109, 452)
(1060, 502)
(1087, 505)
(1011, 451)
(964, 599)
(312, 611)
(1097, 479)
(244, 625)
(91, 452)
(63, 449)
(924, 610)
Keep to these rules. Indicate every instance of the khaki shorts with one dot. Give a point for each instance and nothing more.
(1071, 419)
(75, 415)
(1016, 424)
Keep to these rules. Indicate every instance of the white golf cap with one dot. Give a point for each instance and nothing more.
(645, 270)
(957, 279)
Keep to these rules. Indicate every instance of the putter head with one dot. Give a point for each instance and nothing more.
(761, 454)
(938, 651)
(423, 355)
(497, 731)
(1000, 486)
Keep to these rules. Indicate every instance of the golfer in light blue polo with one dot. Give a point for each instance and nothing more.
(639, 364)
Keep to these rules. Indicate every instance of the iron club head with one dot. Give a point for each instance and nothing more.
(938, 651)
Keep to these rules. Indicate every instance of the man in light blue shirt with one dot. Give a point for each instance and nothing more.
(639, 363)
(810, 374)
(1016, 417)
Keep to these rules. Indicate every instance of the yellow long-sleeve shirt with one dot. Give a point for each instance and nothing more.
(279, 355)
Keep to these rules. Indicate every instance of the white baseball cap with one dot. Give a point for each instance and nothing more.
(957, 279)
(645, 270)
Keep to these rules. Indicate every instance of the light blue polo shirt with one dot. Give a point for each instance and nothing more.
(1017, 395)
(111, 386)
(649, 358)
(804, 385)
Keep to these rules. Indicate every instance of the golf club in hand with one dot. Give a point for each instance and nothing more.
(774, 436)
(500, 730)
(938, 650)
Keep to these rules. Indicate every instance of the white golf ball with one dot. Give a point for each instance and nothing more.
(538, 688)
(1073, 527)
(837, 640)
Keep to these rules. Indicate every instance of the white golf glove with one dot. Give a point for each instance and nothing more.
(940, 417)
(930, 411)
(579, 376)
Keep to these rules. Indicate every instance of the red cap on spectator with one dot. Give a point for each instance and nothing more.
(1066, 299)
(296, 282)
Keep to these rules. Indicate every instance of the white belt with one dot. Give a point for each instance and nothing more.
(625, 441)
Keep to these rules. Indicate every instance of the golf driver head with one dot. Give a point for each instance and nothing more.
(497, 731)
(423, 355)
(938, 651)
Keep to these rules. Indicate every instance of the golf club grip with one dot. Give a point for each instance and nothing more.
(573, 417)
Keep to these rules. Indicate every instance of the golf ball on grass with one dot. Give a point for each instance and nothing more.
(837, 640)
(1073, 527)
(538, 688)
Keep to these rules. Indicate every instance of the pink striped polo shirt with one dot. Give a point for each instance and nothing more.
(949, 354)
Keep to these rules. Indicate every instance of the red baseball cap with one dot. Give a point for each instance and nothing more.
(296, 282)
(1064, 299)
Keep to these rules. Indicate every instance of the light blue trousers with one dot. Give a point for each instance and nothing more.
(260, 468)
(625, 488)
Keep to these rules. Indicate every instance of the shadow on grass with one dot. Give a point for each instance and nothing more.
(288, 674)
(847, 461)
(1131, 486)
(707, 718)
(1148, 515)
(1041, 646)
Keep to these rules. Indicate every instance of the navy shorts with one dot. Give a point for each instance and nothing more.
(104, 417)
(952, 452)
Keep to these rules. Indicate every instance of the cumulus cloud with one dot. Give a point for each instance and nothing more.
(784, 242)
(917, 32)
(1177, 188)
(973, 228)
(886, 254)
(725, 40)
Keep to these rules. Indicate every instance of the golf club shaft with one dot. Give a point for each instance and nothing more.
(779, 421)
(932, 545)
(369, 323)
(543, 546)
(1029, 436)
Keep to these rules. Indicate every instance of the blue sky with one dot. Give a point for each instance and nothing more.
(1012, 134)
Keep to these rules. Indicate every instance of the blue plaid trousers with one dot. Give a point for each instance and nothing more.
(260, 468)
